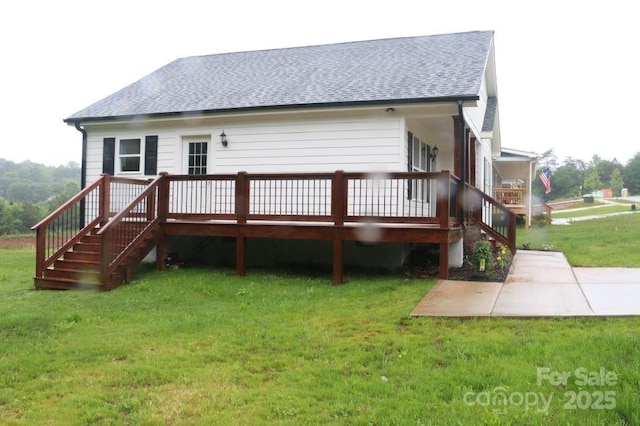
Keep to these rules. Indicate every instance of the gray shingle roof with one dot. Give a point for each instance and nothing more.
(401, 69)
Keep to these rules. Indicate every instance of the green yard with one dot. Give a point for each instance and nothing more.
(197, 346)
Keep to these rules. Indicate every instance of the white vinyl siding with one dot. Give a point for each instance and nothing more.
(323, 144)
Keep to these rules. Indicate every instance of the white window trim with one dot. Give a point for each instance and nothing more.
(140, 155)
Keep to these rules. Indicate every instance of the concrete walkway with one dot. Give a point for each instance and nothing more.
(539, 284)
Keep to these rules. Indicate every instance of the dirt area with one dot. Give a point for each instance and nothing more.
(17, 242)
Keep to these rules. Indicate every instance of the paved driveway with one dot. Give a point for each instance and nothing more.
(539, 284)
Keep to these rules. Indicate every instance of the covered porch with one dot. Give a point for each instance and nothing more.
(514, 173)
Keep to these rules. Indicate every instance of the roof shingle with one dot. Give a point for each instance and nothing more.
(400, 69)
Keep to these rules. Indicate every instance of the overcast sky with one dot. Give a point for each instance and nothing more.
(567, 76)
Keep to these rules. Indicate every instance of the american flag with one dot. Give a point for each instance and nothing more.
(545, 178)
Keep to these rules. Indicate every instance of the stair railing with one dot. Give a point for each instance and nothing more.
(491, 216)
(130, 226)
(65, 226)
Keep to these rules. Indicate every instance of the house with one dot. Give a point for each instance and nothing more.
(514, 173)
(354, 144)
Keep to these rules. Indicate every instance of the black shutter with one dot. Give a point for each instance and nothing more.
(151, 155)
(108, 155)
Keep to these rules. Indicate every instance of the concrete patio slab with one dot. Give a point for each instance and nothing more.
(541, 299)
(607, 275)
(458, 299)
(539, 284)
(613, 299)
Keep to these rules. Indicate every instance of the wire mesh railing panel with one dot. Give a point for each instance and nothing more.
(391, 197)
(202, 196)
(294, 197)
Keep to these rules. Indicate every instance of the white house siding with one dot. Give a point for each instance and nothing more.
(346, 141)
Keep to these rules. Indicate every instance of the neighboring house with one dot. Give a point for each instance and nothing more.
(514, 172)
(403, 109)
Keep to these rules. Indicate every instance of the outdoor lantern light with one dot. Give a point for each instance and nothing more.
(434, 153)
(223, 139)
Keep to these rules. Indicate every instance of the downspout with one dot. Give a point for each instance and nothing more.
(463, 171)
(83, 170)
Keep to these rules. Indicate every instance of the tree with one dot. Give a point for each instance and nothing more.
(565, 180)
(616, 182)
(592, 182)
(548, 160)
(631, 174)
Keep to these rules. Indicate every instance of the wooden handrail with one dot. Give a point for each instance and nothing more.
(109, 259)
(124, 212)
(508, 237)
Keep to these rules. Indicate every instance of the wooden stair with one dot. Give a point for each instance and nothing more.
(79, 267)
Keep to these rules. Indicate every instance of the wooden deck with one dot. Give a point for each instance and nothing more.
(120, 220)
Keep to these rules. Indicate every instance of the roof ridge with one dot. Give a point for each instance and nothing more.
(340, 43)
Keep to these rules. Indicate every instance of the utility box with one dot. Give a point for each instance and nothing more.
(588, 198)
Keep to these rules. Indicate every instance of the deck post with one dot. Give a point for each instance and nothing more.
(41, 233)
(338, 197)
(443, 272)
(105, 194)
(163, 211)
(338, 210)
(242, 211)
(443, 194)
(241, 260)
(338, 262)
(242, 197)
(161, 253)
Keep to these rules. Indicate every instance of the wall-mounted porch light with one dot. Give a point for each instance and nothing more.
(223, 139)
(434, 153)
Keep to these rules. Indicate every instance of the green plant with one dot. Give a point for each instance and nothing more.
(503, 258)
(481, 255)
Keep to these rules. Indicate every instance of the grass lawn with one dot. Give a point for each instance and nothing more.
(199, 346)
(606, 242)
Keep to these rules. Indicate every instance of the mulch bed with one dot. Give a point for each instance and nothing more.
(468, 273)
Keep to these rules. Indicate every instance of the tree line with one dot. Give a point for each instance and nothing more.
(29, 191)
(575, 178)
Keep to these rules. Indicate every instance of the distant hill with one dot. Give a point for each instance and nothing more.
(35, 183)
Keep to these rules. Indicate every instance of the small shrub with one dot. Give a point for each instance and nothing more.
(481, 255)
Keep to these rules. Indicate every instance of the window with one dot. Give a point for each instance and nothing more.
(419, 161)
(129, 154)
(197, 158)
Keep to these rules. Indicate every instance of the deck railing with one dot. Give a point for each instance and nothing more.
(492, 216)
(510, 196)
(91, 207)
(420, 197)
